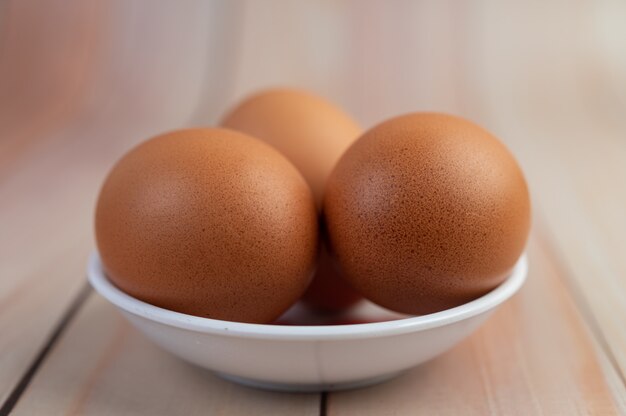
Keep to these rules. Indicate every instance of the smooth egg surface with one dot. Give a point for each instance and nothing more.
(208, 222)
(312, 133)
(426, 212)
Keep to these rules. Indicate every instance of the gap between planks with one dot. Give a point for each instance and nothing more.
(323, 403)
(324, 408)
(518, 373)
(64, 321)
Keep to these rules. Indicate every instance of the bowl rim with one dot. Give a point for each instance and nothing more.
(129, 304)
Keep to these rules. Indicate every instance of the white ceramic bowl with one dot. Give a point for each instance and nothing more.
(308, 357)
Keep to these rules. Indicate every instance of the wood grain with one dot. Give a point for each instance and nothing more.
(534, 356)
(103, 366)
(82, 81)
(38, 272)
(548, 80)
(562, 113)
(65, 118)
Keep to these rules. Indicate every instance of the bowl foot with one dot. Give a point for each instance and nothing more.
(305, 387)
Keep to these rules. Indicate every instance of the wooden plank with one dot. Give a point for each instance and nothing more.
(450, 57)
(548, 79)
(562, 113)
(470, 61)
(62, 167)
(78, 87)
(41, 255)
(103, 366)
(374, 61)
(534, 356)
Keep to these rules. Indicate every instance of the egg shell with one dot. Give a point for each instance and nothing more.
(208, 222)
(310, 131)
(425, 212)
(313, 134)
(329, 292)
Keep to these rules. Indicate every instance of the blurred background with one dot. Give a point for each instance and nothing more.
(82, 81)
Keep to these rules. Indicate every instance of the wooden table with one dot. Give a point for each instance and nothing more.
(82, 81)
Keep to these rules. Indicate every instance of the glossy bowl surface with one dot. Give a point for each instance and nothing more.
(370, 345)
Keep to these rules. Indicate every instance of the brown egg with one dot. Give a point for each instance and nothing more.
(426, 212)
(313, 134)
(208, 222)
(329, 291)
(309, 130)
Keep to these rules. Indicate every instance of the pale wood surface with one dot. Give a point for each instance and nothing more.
(82, 81)
(65, 118)
(102, 366)
(535, 356)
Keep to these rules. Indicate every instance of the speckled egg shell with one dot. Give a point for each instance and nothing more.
(208, 222)
(329, 291)
(426, 212)
(310, 131)
(313, 133)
